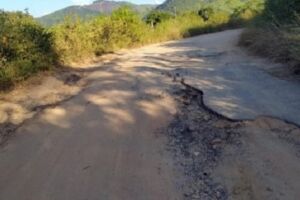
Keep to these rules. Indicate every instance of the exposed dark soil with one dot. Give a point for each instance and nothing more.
(221, 158)
(197, 137)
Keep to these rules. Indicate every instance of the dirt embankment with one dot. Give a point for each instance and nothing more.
(34, 95)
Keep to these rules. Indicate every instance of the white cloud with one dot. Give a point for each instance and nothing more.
(81, 2)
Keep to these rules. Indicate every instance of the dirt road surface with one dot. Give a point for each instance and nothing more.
(133, 132)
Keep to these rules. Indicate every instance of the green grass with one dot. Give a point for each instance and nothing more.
(25, 48)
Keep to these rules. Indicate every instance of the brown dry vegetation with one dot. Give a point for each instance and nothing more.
(276, 33)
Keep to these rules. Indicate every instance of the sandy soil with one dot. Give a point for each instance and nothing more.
(102, 143)
(142, 124)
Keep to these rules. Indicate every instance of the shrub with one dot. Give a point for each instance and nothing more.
(184, 25)
(124, 28)
(25, 47)
(261, 41)
(155, 17)
(219, 19)
(275, 33)
(281, 11)
(73, 40)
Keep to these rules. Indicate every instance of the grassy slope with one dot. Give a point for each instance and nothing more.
(276, 33)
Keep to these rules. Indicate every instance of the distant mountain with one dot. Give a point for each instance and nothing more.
(58, 16)
(99, 7)
(181, 5)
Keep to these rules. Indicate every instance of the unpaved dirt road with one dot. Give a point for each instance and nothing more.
(109, 141)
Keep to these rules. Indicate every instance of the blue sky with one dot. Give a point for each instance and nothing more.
(42, 7)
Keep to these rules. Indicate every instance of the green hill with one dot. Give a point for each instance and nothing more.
(181, 5)
(230, 6)
(99, 7)
(58, 16)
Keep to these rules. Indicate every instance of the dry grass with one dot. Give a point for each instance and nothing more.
(279, 44)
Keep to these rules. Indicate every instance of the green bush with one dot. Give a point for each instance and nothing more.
(240, 12)
(155, 17)
(282, 11)
(124, 28)
(73, 40)
(76, 40)
(25, 47)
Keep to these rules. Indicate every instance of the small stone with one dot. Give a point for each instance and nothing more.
(174, 79)
(196, 153)
(269, 189)
(196, 196)
(72, 79)
(222, 124)
(206, 117)
(216, 143)
(182, 81)
(295, 132)
(287, 129)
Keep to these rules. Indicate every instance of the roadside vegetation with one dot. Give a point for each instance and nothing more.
(26, 47)
(276, 33)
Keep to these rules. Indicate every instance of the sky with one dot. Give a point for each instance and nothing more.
(42, 7)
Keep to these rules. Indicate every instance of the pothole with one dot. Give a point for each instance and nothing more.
(197, 136)
(210, 150)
